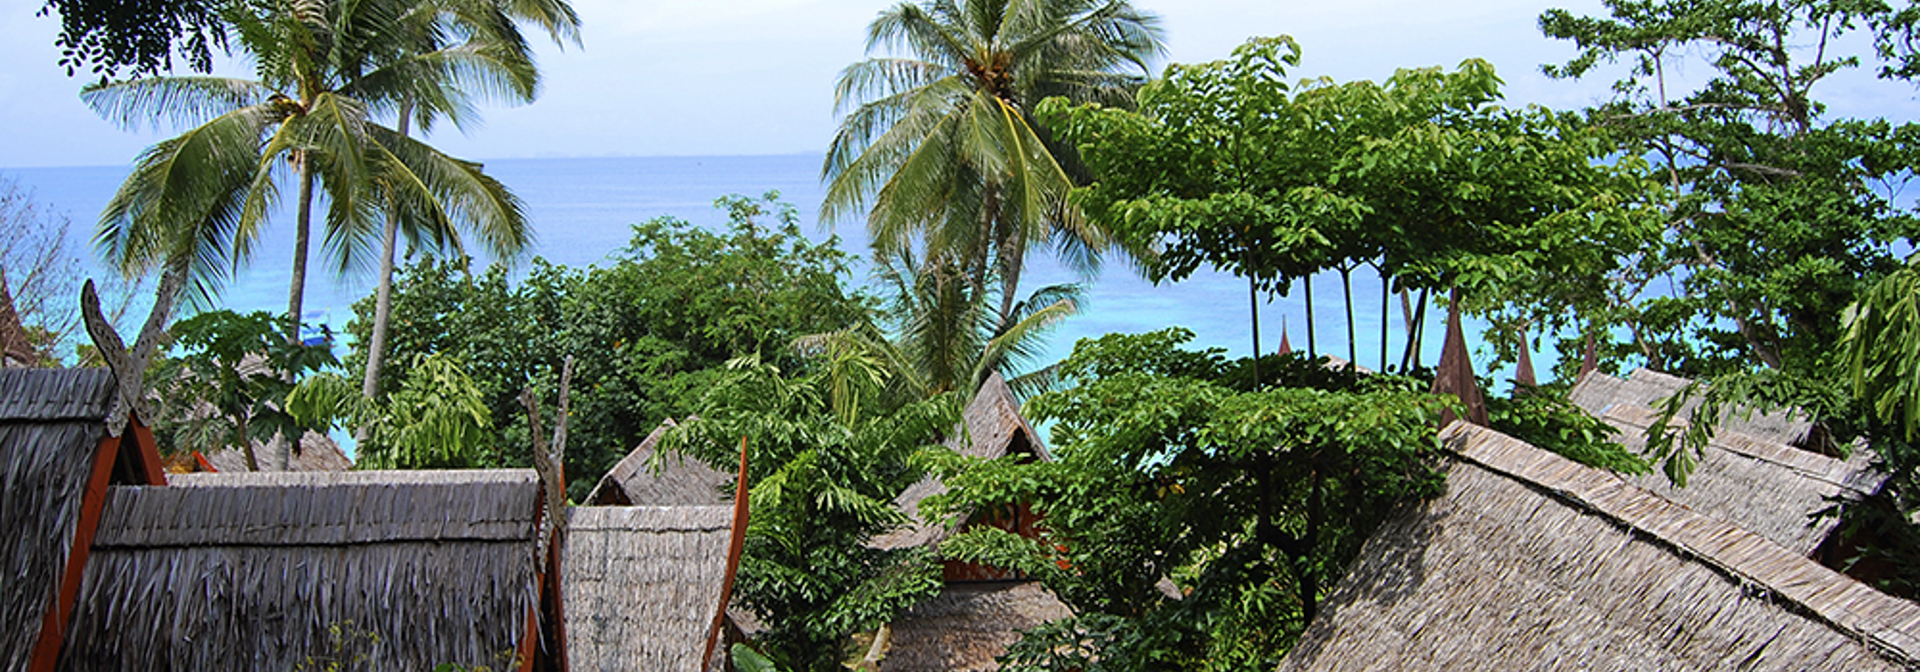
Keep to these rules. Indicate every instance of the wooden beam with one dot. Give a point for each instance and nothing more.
(53, 627)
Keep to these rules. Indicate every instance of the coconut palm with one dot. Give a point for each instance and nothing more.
(943, 337)
(941, 145)
(490, 32)
(323, 70)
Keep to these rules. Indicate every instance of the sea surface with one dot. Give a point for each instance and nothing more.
(581, 210)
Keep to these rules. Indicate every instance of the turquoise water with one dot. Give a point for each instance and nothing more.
(581, 210)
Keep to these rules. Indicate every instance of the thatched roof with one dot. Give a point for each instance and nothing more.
(1531, 561)
(1747, 476)
(991, 427)
(1598, 392)
(642, 584)
(51, 424)
(318, 452)
(965, 627)
(675, 480)
(269, 570)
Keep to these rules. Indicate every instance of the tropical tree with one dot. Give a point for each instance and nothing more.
(936, 335)
(323, 69)
(493, 52)
(940, 146)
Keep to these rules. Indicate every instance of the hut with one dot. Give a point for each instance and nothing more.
(642, 479)
(991, 428)
(60, 447)
(1531, 561)
(642, 584)
(1749, 474)
(981, 610)
(969, 624)
(318, 452)
(292, 570)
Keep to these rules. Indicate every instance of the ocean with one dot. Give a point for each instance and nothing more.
(581, 210)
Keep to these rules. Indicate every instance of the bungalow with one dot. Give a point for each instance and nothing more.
(1532, 561)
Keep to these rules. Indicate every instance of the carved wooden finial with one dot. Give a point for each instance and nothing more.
(128, 367)
(551, 463)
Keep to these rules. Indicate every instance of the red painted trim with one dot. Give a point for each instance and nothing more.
(529, 639)
(205, 466)
(741, 495)
(53, 628)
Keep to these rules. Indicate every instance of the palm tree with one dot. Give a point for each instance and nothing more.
(498, 50)
(943, 145)
(943, 337)
(323, 69)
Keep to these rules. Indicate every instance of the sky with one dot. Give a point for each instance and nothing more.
(748, 77)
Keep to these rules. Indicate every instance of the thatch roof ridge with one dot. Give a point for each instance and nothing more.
(1598, 393)
(651, 518)
(642, 584)
(645, 477)
(48, 395)
(265, 570)
(294, 508)
(1531, 561)
(1890, 624)
(1754, 481)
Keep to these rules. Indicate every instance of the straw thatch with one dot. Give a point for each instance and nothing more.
(991, 428)
(1746, 475)
(672, 479)
(1531, 561)
(642, 584)
(318, 452)
(287, 570)
(969, 624)
(51, 424)
(1597, 393)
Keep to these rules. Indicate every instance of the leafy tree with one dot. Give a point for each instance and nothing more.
(139, 35)
(225, 381)
(1195, 518)
(1425, 176)
(941, 144)
(823, 483)
(196, 201)
(495, 53)
(438, 419)
(1778, 215)
(648, 331)
(1251, 500)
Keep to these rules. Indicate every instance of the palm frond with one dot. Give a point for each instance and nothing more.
(183, 101)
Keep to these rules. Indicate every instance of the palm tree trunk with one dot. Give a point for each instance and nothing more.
(1386, 313)
(303, 227)
(1012, 253)
(383, 297)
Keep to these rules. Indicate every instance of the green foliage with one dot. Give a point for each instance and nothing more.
(940, 143)
(1227, 164)
(823, 484)
(648, 331)
(745, 659)
(1778, 214)
(224, 380)
(1251, 500)
(438, 419)
(1547, 420)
